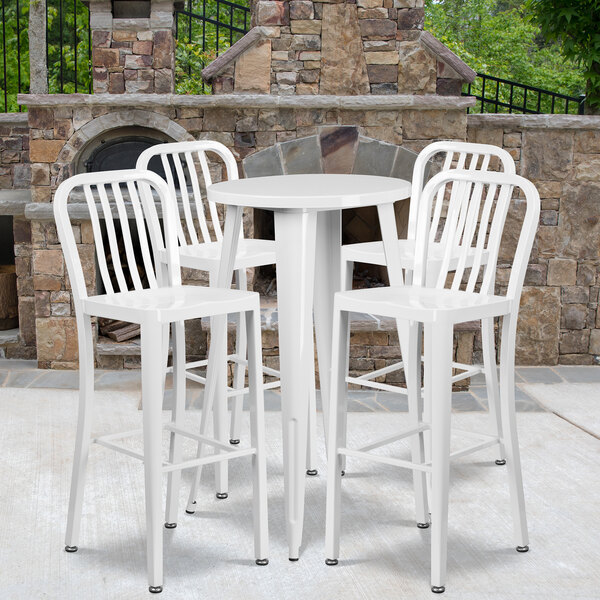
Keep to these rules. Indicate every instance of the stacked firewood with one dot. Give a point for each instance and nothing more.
(119, 331)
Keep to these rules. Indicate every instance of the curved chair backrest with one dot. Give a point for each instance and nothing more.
(455, 156)
(475, 221)
(125, 201)
(186, 167)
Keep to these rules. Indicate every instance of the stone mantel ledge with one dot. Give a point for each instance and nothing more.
(13, 118)
(367, 102)
(535, 121)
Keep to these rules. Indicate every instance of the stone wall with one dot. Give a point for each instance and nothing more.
(345, 47)
(132, 55)
(559, 320)
(15, 173)
(60, 128)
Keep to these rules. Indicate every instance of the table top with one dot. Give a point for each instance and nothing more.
(309, 192)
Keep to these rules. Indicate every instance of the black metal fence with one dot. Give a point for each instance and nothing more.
(497, 95)
(68, 49)
(204, 29)
(14, 52)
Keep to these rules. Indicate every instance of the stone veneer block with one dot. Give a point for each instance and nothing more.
(252, 69)
(381, 58)
(301, 156)
(539, 326)
(263, 163)
(338, 148)
(343, 66)
(308, 26)
(374, 157)
(417, 69)
(382, 73)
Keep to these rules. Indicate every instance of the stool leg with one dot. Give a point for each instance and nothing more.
(257, 434)
(174, 477)
(220, 414)
(311, 442)
(509, 429)
(409, 336)
(438, 366)
(218, 323)
(491, 381)
(337, 419)
(82, 441)
(152, 374)
(239, 371)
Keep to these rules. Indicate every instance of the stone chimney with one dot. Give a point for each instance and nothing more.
(133, 46)
(338, 47)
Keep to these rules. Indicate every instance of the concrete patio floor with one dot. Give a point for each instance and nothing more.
(383, 554)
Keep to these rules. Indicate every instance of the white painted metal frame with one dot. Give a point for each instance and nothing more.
(200, 238)
(307, 211)
(455, 156)
(165, 301)
(474, 219)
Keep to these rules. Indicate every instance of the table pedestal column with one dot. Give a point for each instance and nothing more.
(295, 235)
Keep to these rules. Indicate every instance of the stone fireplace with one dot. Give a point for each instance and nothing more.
(283, 81)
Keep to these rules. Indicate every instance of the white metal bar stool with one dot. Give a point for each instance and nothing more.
(125, 201)
(454, 156)
(471, 226)
(188, 175)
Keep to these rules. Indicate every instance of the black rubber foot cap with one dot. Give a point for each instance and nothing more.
(293, 559)
(438, 589)
(155, 589)
(500, 462)
(170, 525)
(222, 495)
(234, 442)
(71, 548)
(331, 562)
(343, 473)
(312, 472)
(262, 562)
(423, 525)
(191, 512)
(522, 548)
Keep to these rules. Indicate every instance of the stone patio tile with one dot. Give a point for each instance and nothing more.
(22, 379)
(538, 375)
(63, 380)
(12, 364)
(579, 374)
(465, 402)
(3, 377)
(523, 401)
(120, 380)
(392, 402)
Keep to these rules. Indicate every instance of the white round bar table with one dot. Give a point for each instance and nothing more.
(307, 211)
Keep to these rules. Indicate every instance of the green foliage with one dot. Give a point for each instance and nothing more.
(68, 44)
(575, 25)
(14, 49)
(74, 48)
(200, 41)
(497, 38)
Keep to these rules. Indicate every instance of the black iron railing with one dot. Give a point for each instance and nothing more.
(14, 52)
(205, 29)
(497, 95)
(68, 49)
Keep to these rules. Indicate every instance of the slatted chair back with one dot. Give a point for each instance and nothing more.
(123, 207)
(188, 176)
(453, 155)
(474, 223)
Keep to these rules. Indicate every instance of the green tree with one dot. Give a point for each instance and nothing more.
(575, 24)
(496, 37)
